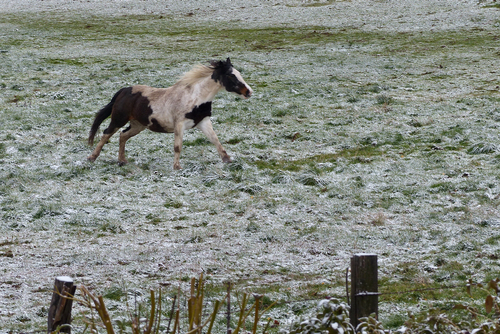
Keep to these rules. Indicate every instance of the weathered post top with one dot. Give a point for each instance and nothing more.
(61, 304)
(65, 279)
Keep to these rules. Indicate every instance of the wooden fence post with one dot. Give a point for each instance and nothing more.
(364, 287)
(60, 307)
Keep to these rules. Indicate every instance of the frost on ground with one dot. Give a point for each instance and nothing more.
(373, 128)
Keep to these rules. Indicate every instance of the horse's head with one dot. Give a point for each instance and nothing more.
(225, 74)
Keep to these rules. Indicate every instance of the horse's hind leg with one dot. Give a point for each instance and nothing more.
(114, 126)
(206, 127)
(134, 128)
(104, 139)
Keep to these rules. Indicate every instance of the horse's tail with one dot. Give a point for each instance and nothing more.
(100, 116)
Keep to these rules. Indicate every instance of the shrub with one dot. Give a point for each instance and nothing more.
(332, 317)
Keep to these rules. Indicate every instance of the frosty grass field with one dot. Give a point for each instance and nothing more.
(374, 127)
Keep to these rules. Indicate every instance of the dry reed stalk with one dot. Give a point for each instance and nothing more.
(158, 317)
(195, 305)
(267, 325)
(257, 314)
(149, 328)
(243, 316)
(214, 314)
(256, 319)
(100, 308)
(195, 310)
(171, 314)
(191, 305)
(210, 320)
(176, 322)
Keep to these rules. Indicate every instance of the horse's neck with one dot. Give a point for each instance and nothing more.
(205, 90)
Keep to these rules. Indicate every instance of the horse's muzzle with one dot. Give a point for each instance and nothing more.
(246, 92)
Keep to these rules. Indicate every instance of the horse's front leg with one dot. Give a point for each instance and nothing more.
(206, 127)
(178, 134)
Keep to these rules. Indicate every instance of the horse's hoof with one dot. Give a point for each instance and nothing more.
(227, 159)
(91, 158)
(177, 167)
(122, 163)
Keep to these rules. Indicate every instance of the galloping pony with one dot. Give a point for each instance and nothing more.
(186, 104)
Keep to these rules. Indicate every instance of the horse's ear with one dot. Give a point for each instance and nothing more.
(228, 62)
(214, 63)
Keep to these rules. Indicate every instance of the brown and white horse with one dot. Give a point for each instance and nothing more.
(186, 104)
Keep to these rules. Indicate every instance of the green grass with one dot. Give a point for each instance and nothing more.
(93, 29)
(201, 141)
(170, 203)
(362, 154)
(70, 61)
(114, 293)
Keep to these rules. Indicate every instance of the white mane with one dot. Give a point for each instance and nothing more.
(195, 75)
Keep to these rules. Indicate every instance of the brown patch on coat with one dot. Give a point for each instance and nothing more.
(130, 105)
(156, 127)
